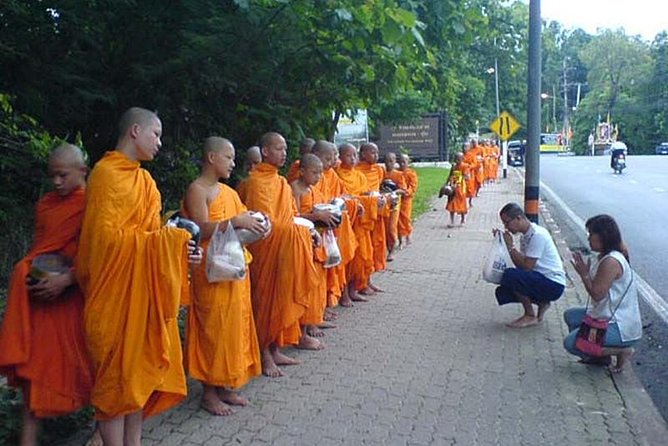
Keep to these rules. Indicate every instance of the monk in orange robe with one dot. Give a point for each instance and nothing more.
(307, 197)
(392, 220)
(457, 203)
(133, 273)
(221, 342)
(374, 175)
(406, 209)
(362, 266)
(471, 159)
(479, 169)
(282, 273)
(42, 345)
(331, 187)
(496, 156)
(253, 158)
(306, 146)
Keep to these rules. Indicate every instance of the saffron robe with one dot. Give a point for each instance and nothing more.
(282, 273)
(293, 171)
(42, 344)
(406, 210)
(221, 340)
(374, 175)
(392, 220)
(330, 187)
(133, 273)
(472, 185)
(318, 296)
(458, 202)
(362, 265)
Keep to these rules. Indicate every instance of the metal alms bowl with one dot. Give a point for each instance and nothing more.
(246, 236)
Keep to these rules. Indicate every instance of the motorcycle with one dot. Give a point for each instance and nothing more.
(619, 163)
(618, 157)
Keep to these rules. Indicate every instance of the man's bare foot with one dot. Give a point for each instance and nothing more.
(281, 359)
(330, 315)
(358, 298)
(269, 367)
(212, 404)
(542, 308)
(375, 288)
(314, 331)
(408, 241)
(622, 359)
(523, 322)
(230, 397)
(366, 291)
(309, 343)
(450, 225)
(346, 302)
(326, 325)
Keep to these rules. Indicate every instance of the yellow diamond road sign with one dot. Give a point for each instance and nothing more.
(505, 125)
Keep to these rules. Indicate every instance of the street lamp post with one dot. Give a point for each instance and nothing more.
(504, 144)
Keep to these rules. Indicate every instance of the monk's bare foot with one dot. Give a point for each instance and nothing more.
(269, 366)
(622, 359)
(309, 343)
(450, 225)
(330, 315)
(281, 359)
(215, 406)
(346, 302)
(523, 322)
(326, 325)
(408, 241)
(233, 398)
(375, 288)
(542, 308)
(358, 298)
(314, 332)
(96, 438)
(390, 258)
(366, 291)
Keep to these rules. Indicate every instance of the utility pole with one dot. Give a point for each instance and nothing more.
(532, 172)
(564, 131)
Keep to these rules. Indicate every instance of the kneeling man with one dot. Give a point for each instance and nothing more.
(538, 277)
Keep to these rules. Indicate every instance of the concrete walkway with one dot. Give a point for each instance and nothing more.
(430, 361)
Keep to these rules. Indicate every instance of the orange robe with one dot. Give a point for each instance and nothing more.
(479, 170)
(472, 185)
(496, 154)
(293, 171)
(221, 341)
(330, 187)
(42, 345)
(406, 210)
(318, 296)
(282, 273)
(374, 175)
(458, 203)
(392, 220)
(362, 265)
(133, 272)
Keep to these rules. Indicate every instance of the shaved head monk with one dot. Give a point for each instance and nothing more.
(331, 187)
(133, 272)
(42, 345)
(392, 221)
(406, 210)
(361, 267)
(253, 158)
(221, 342)
(305, 146)
(282, 273)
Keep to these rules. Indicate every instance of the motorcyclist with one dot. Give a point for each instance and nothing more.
(617, 149)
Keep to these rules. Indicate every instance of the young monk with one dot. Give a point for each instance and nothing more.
(330, 186)
(221, 342)
(374, 175)
(306, 197)
(471, 160)
(42, 345)
(362, 266)
(306, 146)
(282, 273)
(133, 272)
(457, 180)
(253, 158)
(406, 210)
(392, 220)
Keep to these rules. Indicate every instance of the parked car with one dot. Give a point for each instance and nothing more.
(515, 153)
(661, 149)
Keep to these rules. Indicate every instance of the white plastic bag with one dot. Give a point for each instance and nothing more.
(225, 258)
(498, 259)
(331, 248)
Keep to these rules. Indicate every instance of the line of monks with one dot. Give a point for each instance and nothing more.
(105, 332)
(476, 166)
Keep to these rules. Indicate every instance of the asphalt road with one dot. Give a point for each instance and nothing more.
(638, 199)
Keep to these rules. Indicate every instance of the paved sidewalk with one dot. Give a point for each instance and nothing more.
(430, 361)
